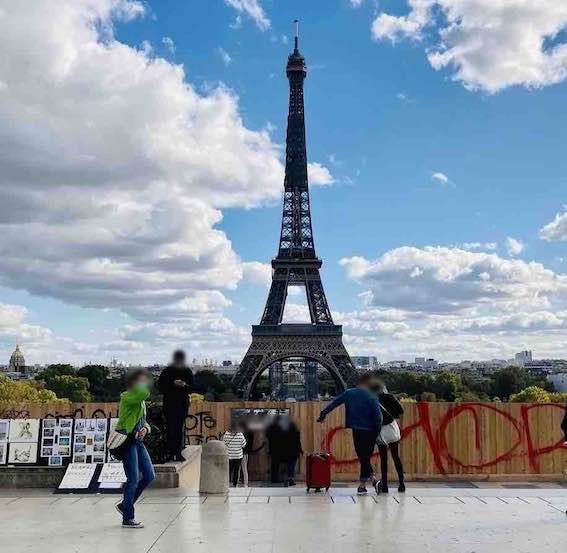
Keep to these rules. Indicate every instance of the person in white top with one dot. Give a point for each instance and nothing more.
(235, 443)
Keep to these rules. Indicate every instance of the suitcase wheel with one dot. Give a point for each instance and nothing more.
(317, 490)
(327, 488)
(308, 490)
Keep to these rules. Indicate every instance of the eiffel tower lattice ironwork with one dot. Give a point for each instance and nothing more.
(296, 265)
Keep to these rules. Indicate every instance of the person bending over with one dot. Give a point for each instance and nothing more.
(135, 457)
(364, 418)
(175, 383)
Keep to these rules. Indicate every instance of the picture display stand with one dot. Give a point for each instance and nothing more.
(89, 442)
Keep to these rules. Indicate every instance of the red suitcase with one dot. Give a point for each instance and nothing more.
(318, 471)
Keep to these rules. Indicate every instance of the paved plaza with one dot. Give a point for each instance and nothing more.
(489, 519)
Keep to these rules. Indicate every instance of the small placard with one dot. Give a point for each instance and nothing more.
(78, 476)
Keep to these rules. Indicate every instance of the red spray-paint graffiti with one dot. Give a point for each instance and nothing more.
(522, 432)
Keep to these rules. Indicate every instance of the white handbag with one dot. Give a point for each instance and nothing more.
(390, 434)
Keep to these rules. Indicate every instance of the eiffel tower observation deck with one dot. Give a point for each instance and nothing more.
(296, 264)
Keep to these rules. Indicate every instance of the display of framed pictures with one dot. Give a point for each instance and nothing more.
(24, 453)
(56, 435)
(89, 444)
(24, 430)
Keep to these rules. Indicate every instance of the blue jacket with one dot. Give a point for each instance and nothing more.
(362, 409)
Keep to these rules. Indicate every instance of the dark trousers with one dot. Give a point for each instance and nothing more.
(395, 452)
(364, 442)
(175, 430)
(275, 468)
(234, 470)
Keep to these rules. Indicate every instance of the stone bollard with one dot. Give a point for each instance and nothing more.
(214, 468)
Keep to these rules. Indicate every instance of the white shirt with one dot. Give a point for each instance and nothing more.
(235, 442)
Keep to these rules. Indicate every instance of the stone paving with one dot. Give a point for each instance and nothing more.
(489, 518)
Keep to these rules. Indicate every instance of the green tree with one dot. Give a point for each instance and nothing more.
(101, 387)
(55, 370)
(208, 383)
(508, 381)
(531, 394)
(13, 392)
(446, 385)
(73, 388)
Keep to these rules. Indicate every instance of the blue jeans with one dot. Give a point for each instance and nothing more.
(136, 460)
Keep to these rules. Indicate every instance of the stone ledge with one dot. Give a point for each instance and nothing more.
(183, 474)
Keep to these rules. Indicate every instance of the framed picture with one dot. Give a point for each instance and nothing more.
(89, 442)
(24, 430)
(3, 452)
(23, 453)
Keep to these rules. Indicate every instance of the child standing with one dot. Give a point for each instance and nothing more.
(235, 443)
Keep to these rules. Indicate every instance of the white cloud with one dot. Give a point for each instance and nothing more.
(255, 272)
(514, 247)
(356, 3)
(319, 175)
(114, 169)
(253, 9)
(169, 44)
(455, 304)
(489, 45)
(225, 56)
(441, 178)
(556, 230)
(471, 246)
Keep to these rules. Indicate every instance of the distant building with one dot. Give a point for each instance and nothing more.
(559, 381)
(17, 362)
(426, 364)
(522, 358)
(364, 361)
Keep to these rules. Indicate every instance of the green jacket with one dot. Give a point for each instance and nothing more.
(132, 408)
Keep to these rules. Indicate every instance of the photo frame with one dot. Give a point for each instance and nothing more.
(24, 431)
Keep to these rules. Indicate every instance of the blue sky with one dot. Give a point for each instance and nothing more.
(142, 203)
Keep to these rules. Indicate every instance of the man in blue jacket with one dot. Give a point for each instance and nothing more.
(364, 417)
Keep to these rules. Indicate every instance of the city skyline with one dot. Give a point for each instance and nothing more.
(142, 216)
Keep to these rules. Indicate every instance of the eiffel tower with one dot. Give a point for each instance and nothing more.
(296, 265)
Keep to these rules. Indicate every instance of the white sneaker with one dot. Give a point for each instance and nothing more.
(132, 524)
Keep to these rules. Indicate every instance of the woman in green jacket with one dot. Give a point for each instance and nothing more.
(136, 459)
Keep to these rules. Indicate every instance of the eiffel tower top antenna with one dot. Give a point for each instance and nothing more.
(296, 21)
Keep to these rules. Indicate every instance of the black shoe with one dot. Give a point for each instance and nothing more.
(291, 482)
(361, 490)
(377, 485)
(384, 487)
(402, 487)
(119, 508)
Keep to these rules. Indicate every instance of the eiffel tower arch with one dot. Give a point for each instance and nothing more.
(296, 264)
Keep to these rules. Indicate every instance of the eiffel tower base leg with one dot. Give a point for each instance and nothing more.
(329, 351)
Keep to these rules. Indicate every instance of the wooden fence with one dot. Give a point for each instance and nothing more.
(479, 440)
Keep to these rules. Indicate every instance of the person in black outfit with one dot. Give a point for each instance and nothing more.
(284, 443)
(175, 383)
(391, 410)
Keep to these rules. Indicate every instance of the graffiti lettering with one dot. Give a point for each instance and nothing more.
(521, 439)
(197, 428)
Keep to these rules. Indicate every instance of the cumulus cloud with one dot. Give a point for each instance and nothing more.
(253, 9)
(514, 247)
(319, 175)
(455, 304)
(113, 168)
(556, 230)
(487, 45)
